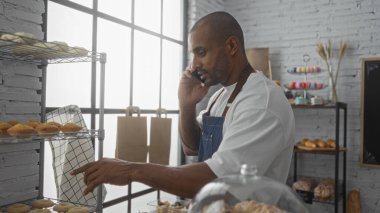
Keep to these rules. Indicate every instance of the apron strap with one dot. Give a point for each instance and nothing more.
(243, 78)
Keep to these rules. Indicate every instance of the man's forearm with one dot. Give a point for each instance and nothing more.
(184, 181)
(189, 129)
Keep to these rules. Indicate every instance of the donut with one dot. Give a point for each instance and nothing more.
(39, 211)
(63, 207)
(47, 129)
(71, 127)
(78, 209)
(42, 203)
(18, 208)
(21, 130)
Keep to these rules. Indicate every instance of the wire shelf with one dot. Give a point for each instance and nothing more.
(19, 48)
(49, 137)
(56, 201)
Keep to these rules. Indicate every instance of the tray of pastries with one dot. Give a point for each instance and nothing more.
(46, 205)
(316, 144)
(311, 189)
(11, 131)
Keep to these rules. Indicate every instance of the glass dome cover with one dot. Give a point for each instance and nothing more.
(246, 193)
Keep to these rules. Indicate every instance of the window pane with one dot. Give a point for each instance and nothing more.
(87, 3)
(65, 84)
(115, 41)
(148, 14)
(119, 8)
(173, 19)
(146, 71)
(171, 72)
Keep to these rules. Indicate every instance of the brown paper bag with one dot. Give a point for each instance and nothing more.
(160, 139)
(131, 137)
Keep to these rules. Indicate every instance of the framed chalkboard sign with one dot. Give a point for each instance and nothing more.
(370, 113)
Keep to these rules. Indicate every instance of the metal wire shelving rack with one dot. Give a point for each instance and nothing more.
(16, 47)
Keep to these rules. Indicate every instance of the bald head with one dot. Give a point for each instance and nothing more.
(221, 25)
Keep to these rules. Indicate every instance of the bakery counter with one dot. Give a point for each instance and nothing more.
(7, 139)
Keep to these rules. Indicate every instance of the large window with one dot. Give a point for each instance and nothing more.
(143, 40)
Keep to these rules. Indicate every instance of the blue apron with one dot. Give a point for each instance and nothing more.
(212, 129)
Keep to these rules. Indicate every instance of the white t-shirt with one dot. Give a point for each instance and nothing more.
(258, 129)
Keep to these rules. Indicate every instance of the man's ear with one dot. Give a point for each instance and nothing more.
(232, 45)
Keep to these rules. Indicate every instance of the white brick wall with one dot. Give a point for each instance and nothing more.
(290, 29)
(20, 100)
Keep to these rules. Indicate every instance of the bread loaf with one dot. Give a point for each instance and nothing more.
(353, 204)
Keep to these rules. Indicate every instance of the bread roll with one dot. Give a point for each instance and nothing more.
(325, 190)
(21, 130)
(70, 127)
(353, 204)
(303, 184)
(331, 143)
(4, 126)
(55, 124)
(13, 122)
(320, 143)
(32, 124)
(44, 129)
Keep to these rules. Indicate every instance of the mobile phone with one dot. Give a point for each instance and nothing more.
(198, 73)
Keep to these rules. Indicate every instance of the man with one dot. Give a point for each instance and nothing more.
(248, 121)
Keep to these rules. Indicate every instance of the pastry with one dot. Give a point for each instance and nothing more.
(310, 144)
(4, 126)
(325, 190)
(331, 143)
(70, 127)
(39, 211)
(21, 130)
(32, 124)
(78, 51)
(265, 208)
(320, 143)
(303, 184)
(63, 207)
(47, 129)
(55, 124)
(18, 208)
(79, 210)
(61, 45)
(42, 203)
(13, 122)
(245, 206)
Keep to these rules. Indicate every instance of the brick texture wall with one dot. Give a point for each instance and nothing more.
(20, 100)
(291, 29)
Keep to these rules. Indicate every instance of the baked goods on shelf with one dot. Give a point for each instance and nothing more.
(39, 211)
(55, 124)
(42, 203)
(43, 129)
(4, 126)
(63, 207)
(304, 184)
(325, 190)
(21, 130)
(316, 144)
(18, 208)
(19, 37)
(70, 127)
(32, 124)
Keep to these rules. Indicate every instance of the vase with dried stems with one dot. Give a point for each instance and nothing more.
(326, 53)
